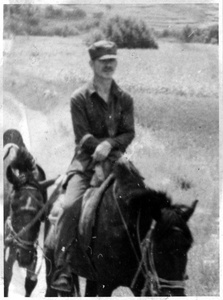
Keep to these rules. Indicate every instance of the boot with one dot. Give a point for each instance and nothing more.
(63, 280)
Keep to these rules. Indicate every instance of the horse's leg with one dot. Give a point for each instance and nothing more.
(76, 286)
(91, 289)
(31, 278)
(9, 259)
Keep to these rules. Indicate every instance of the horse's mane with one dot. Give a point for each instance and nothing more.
(131, 187)
(23, 160)
(127, 174)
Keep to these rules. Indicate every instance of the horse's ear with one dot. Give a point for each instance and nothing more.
(10, 175)
(188, 212)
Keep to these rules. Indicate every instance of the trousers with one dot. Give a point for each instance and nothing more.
(67, 224)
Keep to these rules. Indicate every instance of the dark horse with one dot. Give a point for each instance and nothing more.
(140, 240)
(22, 205)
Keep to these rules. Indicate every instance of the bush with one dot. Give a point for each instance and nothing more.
(86, 25)
(96, 35)
(165, 33)
(52, 12)
(98, 15)
(198, 35)
(20, 19)
(125, 32)
(63, 31)
(193, 35)
(187, 34)
(213, 34)
(75, 14)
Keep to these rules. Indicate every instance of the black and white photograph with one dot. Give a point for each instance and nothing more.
(110, 171)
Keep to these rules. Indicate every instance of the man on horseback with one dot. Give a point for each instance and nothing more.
(103, 124)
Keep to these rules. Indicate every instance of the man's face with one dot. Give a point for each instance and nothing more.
(104, 68)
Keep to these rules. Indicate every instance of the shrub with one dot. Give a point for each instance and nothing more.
(125, 32)
(20, 19)
(75, 14)
(52, 12)
(165, 33)
(98, 15)
(35, 30)
(62, 31)
(213, 34)
(96, 35)
(89, 24)
(187, 34)
(198, 35)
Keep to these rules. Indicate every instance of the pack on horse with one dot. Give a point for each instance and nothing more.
(24, 198)
(139, 240)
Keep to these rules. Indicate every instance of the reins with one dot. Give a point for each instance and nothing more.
(16, 236)
(152, 279)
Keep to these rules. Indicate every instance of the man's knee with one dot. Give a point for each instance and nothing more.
(76, 188)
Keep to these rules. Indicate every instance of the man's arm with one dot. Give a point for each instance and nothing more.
(126, 134)
(127, 127)
(81, 126)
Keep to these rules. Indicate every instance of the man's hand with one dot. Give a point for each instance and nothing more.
(102, 151)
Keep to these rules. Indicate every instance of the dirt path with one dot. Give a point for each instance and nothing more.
(42, 146)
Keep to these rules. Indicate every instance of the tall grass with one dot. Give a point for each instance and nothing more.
(175, 92)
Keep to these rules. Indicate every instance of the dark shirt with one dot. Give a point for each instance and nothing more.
(94, 121)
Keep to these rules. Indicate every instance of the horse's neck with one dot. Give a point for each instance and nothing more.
(133, 213)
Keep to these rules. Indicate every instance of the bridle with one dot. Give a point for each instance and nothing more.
(15, 237)
(156, 283)
(146, 265)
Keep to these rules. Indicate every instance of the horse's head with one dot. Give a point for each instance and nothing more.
(169, 245)
(163, 246)
(26, 200)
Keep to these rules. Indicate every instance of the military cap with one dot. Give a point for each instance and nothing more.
(103, 50)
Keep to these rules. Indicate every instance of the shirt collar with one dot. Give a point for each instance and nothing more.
(115, 90)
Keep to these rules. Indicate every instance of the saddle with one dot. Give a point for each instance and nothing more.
(90, 202)
(101, 180)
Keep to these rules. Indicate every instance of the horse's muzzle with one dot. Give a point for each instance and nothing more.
(25, 257)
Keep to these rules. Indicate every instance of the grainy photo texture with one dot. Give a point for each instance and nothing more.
(111, 149)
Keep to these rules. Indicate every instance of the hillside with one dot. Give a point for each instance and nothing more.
(70, 19)
(163, 16)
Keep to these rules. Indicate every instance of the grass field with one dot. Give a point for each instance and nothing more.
(175, 90)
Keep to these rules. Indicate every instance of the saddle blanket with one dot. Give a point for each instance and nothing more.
(90, 203)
